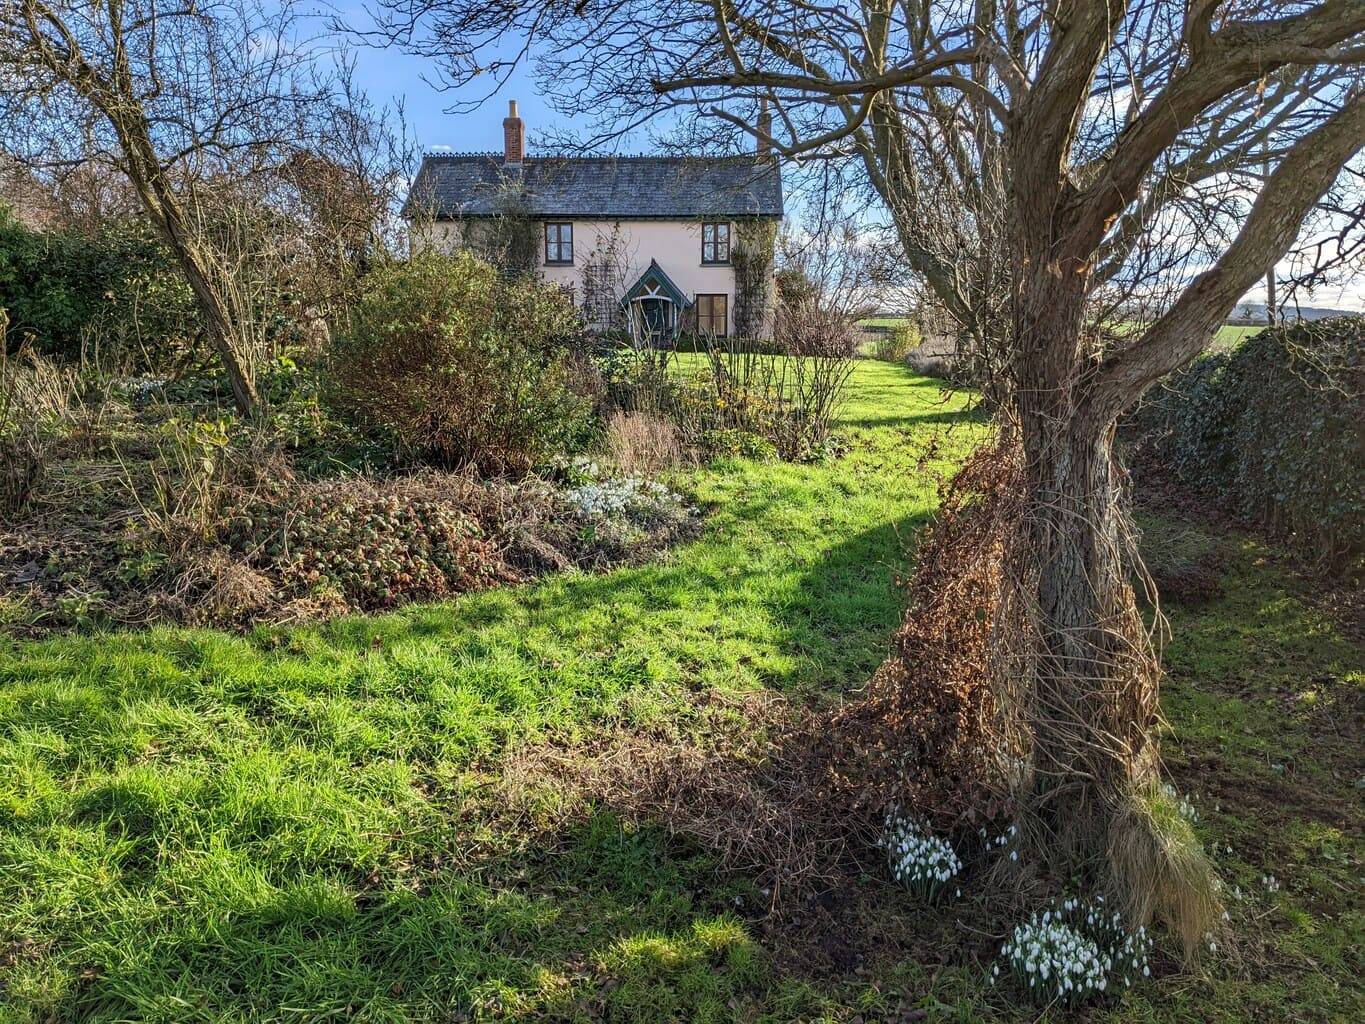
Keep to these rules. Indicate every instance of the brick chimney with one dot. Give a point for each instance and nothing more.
(765, 129)
(513, 136)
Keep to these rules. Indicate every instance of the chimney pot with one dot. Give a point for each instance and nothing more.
(513, 136)
(764, 144)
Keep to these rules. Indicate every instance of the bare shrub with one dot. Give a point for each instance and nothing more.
(936, 355)
(791, 398)
(805, 329)
(642, 443)
(23, 455)
(37, 398)
(930, 364)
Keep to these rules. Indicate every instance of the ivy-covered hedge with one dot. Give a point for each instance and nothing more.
(1273, 429)
(117, 291)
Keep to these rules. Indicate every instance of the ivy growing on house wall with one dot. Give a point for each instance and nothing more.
(752, 256)
(510, 238)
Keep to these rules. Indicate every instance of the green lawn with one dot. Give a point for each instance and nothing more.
(305, 824)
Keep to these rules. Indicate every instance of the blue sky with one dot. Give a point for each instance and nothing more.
(390, 75)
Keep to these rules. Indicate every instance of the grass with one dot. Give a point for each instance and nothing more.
(1227, 336)
(1231, 335)
(304, 824)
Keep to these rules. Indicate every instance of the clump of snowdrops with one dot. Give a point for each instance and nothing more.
(1074, 951)
(924, 863)
(991, 843)
(621, 515)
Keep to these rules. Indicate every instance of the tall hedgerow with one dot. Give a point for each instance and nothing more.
(116, 292)
(1273, 429)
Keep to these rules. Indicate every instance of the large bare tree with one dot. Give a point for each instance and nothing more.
(1088, 186)
(183, 99)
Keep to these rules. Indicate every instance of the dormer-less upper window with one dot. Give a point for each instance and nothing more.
(715, 242)
(559, 243)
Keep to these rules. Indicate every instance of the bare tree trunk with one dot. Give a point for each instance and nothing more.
(1092, 668)
(217, 317)
(112, 90)
(162, 205)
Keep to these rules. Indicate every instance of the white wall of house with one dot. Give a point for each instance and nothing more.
(674, 244)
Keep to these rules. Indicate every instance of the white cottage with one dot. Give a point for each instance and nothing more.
(661, 239)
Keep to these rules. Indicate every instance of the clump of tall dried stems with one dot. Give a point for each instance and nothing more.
(37, 398)
(643, 443)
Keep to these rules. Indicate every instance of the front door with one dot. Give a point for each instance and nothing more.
(655, 317)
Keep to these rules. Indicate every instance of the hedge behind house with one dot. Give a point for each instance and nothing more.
(1273, 429)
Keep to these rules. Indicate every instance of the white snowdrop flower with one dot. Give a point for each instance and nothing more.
(1068, 951)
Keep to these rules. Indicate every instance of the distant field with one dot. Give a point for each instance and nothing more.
(1228, 335)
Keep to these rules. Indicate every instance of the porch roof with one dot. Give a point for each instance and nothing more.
(663, 287)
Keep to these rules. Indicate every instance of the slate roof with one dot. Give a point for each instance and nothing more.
(606, 188)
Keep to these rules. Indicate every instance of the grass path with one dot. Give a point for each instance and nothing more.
(294, 825)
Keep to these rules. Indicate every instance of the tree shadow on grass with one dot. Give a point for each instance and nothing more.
(945, 416)
(316, 885)
(947, 409)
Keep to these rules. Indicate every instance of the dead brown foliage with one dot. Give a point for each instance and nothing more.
(929, 733)
(750, 793)
(1188, 583)
(643, 443)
